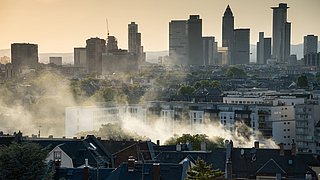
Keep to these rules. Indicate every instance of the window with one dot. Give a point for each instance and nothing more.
(288, 136)
(284, 130)
(284, 137)
(57, 155)
(288, 122)
(285, 115)
(288, 129)
(284, 123)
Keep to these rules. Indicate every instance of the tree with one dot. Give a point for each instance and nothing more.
(302, 81)
(234, 72)
(112, 131)
(23, 161)
(196, 140)
(203, 171)
(186, 90)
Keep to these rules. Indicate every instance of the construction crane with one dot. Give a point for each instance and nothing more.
(107, 24)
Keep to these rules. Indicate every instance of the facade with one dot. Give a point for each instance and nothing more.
(263, 49)
(194, 27)
(56, 60)
(223, 55)
(307, 126)
(209, 50)
(312, 59)
(24, 55)
(228, 32)
(80, 57)
(178, 42)
(89, 118)
(281, 34)
(119, 61)
(134, 42)
(95, 48)
(310, 44)
(241, 46)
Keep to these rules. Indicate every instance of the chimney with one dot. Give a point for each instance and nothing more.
(82, 137)
(131, 164)
(203, 146)
(281, 149)
(50, 136)
(178, 147)
(158, 142)
(228, 170)
(75, 137)
(293, 148)
(86, 170)
(98, 138)
(256, 144)
(156, 171)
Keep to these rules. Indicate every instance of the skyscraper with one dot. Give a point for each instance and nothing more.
(80, 57)
(263, 49)
(228, 32)
(310, 44)
(24, 55)
(95, 47)
(134, 41)
(209, 50)
(178, 42)
(241, 46)
(281, 34)
(194, 29)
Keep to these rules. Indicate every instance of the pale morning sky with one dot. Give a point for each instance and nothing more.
(60, 25)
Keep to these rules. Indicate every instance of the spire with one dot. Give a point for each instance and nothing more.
(228, 11)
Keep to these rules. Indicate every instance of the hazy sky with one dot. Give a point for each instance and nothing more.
(61, 25)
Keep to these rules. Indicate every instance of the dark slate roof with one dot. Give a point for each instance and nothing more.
(115, 146)
(267, 161)
(215, 157)
(79, 150)
(77, 173)
(168, 171)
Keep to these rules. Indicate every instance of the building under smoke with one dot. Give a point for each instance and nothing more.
(24, 56)
(95, 48)
(80, 57)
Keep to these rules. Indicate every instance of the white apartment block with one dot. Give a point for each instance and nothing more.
(88, 118)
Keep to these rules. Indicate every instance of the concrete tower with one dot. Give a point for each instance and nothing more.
(281, 34)
(94, 49)
(194, 28)
(228, 32)
(178, 42)
(310, 44)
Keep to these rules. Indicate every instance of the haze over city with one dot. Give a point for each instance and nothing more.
(59, 25)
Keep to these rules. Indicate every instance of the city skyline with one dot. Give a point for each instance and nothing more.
(50, 22)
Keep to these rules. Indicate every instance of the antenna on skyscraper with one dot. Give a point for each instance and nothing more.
(107, 24)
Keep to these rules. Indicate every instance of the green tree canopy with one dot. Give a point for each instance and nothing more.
(233, 72)
(186, 90)
(302, 81)
(23, 161)
(203, 171)
(196, 140)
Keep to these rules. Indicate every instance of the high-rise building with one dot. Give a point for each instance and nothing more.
(228, 32)
(310, 44)
(24, 55)
(281, 34)
(112, 44)
(80, 57)
(178, 42)
(209, 50)
(194, 29)
(95, 47)
(134, 41)
(241, 46)
(267, 49)
(263, 49)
